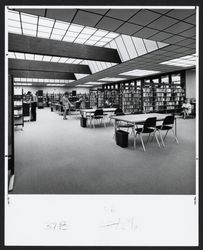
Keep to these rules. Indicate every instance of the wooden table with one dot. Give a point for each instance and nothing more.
(136, 119)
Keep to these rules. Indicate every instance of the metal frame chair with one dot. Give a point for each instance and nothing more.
(149, 126)
(98, 115)
(167, 125)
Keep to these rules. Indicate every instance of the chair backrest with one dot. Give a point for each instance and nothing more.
(149, 123)
(169, 120)
(118, 111)
(98, 112)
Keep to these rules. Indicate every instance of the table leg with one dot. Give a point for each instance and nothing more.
(175, 127)
(115, 126)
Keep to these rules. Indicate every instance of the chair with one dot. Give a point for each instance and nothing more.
(149, 126)
(98, 116)
(167, 125)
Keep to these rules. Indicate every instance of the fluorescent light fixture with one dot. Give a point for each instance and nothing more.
(47, 58)
(68, 39)
(46, 80)
(15, 30)
(29, 56)
(43, 34)
(75, 28)
(55, 85)
(112, 35)
(27, 18)
(26, 84)
(184, 61)
(55, 59)
(112, 79)
(61, 81)
(44, 29)
(79, 76)
(13, 15)
(101, 33)
(70, 60)
(77, 61)
(85, 86)
(16, 79)
(88, 30)
(29, 79)
(140, 72)
(90, 42)
(63, 60)
(38, 57)
(61, 25)
(46, 22)
(41, 80)
(19, 55)
(11, 55)
(35, 80)
(56, 37)
(29, 32)
(93, 83)
(56, 81)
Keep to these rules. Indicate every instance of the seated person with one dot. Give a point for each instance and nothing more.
(187, 108)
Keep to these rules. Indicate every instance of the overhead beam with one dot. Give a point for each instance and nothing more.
(41, 74)
(30, 65)
(35, 45)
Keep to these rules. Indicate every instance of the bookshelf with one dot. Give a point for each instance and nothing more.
(18, 107)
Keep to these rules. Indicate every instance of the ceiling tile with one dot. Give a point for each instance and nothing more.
(98, 11)
(187, 42)
(128, 28)
(108, 23)
(191, 19)
(179, 27)
(192, 45)
(180, 13)
(180, 50)
(160, 11)
(162, 23)
(189, 33)
(61, 14)
(160, 36)
(86, 18)
(39, 12)
(122, 14)
(145, 33)
(144, 17)
(174, 39)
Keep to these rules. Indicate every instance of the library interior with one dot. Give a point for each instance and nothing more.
(102, 101)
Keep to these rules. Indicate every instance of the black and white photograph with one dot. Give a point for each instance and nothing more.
(102, 102)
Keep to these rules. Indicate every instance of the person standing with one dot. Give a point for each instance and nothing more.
(66, 104)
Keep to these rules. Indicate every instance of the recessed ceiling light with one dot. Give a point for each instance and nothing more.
(19, 55)
(139, 72)
(47, 58)
(55, 59)
(93, 83)
(111, 79)
(11, 55)
(86, 86)
(183, 61)
(29, 56)
(38, 57)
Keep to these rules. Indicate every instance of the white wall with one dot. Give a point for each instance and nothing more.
(55, 90)
(190, 83)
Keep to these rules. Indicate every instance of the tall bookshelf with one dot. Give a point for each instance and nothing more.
(93, 98)
(18, 106)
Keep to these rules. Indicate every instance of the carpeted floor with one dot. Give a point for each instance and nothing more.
(56, 156)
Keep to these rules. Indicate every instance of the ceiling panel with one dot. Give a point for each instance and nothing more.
(179, 27)
(86, 18)
(189, 33)
(128, 28)
(39, 12)
(98, 11)
(122, 14)
(108, 23)
(61, 14)
(180, 13)
(174, 39)
(160, 11)
(191, 19)
(145, 33)
(160, 36)
(144, 17)
(162, 23)
(187, 42)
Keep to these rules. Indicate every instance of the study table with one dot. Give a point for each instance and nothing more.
(139, 118)
(89, 112)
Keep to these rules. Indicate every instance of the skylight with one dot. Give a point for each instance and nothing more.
(139, 72)
(86, 86)
(185, 61)
(26, 80)
(112, 79)
(93, 83)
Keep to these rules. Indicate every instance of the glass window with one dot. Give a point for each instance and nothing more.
(165, 79)
(175, 78)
